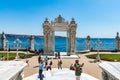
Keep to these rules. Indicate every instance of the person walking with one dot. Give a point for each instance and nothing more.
(56, 55)
(46, 61)
(78, 69)
(59, 63)
(49, 64)
(41, 67)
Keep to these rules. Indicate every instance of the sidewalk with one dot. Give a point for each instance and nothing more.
(89, 68)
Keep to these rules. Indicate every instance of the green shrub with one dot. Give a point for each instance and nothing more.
(106, 57)
(11, 56)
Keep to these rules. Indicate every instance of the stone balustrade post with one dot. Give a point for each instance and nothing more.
(32, 43)
(3, 41)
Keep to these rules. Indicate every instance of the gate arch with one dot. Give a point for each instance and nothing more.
(59, 24)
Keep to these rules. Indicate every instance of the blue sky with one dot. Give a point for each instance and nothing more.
(97, 18)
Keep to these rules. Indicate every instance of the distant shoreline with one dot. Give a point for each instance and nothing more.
(26, 36)
(41, 36)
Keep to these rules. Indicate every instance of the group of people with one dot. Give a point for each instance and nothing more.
(47, 64)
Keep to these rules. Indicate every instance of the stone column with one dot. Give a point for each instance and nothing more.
(47, 43)
(46, 28)
(72, 36)
(88, 43)
(117, 41)
(32, 43)
(3, 41)
(68, 44)
(53, 42)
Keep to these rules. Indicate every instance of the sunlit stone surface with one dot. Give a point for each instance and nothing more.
(111, 70)
(11, 70)
(64, 74)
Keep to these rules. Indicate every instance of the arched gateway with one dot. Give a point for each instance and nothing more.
(59, 24)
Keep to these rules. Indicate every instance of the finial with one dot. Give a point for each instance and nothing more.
(72, 21)
(3, 35)
(117, 34)
(88, 37)
(46, 20)
(31, 36)
(59, 15)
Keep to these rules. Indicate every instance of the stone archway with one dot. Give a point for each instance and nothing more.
(59, 24)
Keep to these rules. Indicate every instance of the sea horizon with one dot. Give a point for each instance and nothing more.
(60, 42)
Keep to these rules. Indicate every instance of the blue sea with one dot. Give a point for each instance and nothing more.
(60, 43)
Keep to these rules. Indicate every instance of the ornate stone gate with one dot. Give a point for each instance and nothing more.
(59, 24)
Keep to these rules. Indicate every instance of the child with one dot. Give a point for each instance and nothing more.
(41, 67)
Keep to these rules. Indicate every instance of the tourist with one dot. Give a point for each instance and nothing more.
(78, 69)
(72, 67)
(46, 61)
(39, 59)
(56, 55)
(27, 61)
(49, 64)
(59, 63)
(41, 67)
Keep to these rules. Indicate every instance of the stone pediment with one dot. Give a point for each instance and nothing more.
(59, 19)
(59, 22)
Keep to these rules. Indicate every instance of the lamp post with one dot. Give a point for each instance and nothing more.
(98, 44)
(27, 47)
(7, 46)
(17, 43)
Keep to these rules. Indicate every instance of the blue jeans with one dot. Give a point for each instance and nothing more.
(40, 74)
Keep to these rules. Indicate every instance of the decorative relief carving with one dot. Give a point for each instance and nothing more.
(59, 19)
(59, 24)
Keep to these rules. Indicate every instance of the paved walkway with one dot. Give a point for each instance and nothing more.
(64, 74)
(90, 67)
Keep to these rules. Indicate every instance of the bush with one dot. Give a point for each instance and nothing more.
(11, 56)
(108, 59)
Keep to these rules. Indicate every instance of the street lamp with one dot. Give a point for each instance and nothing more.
(17, 44)
(98, 44)
(7, 46)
